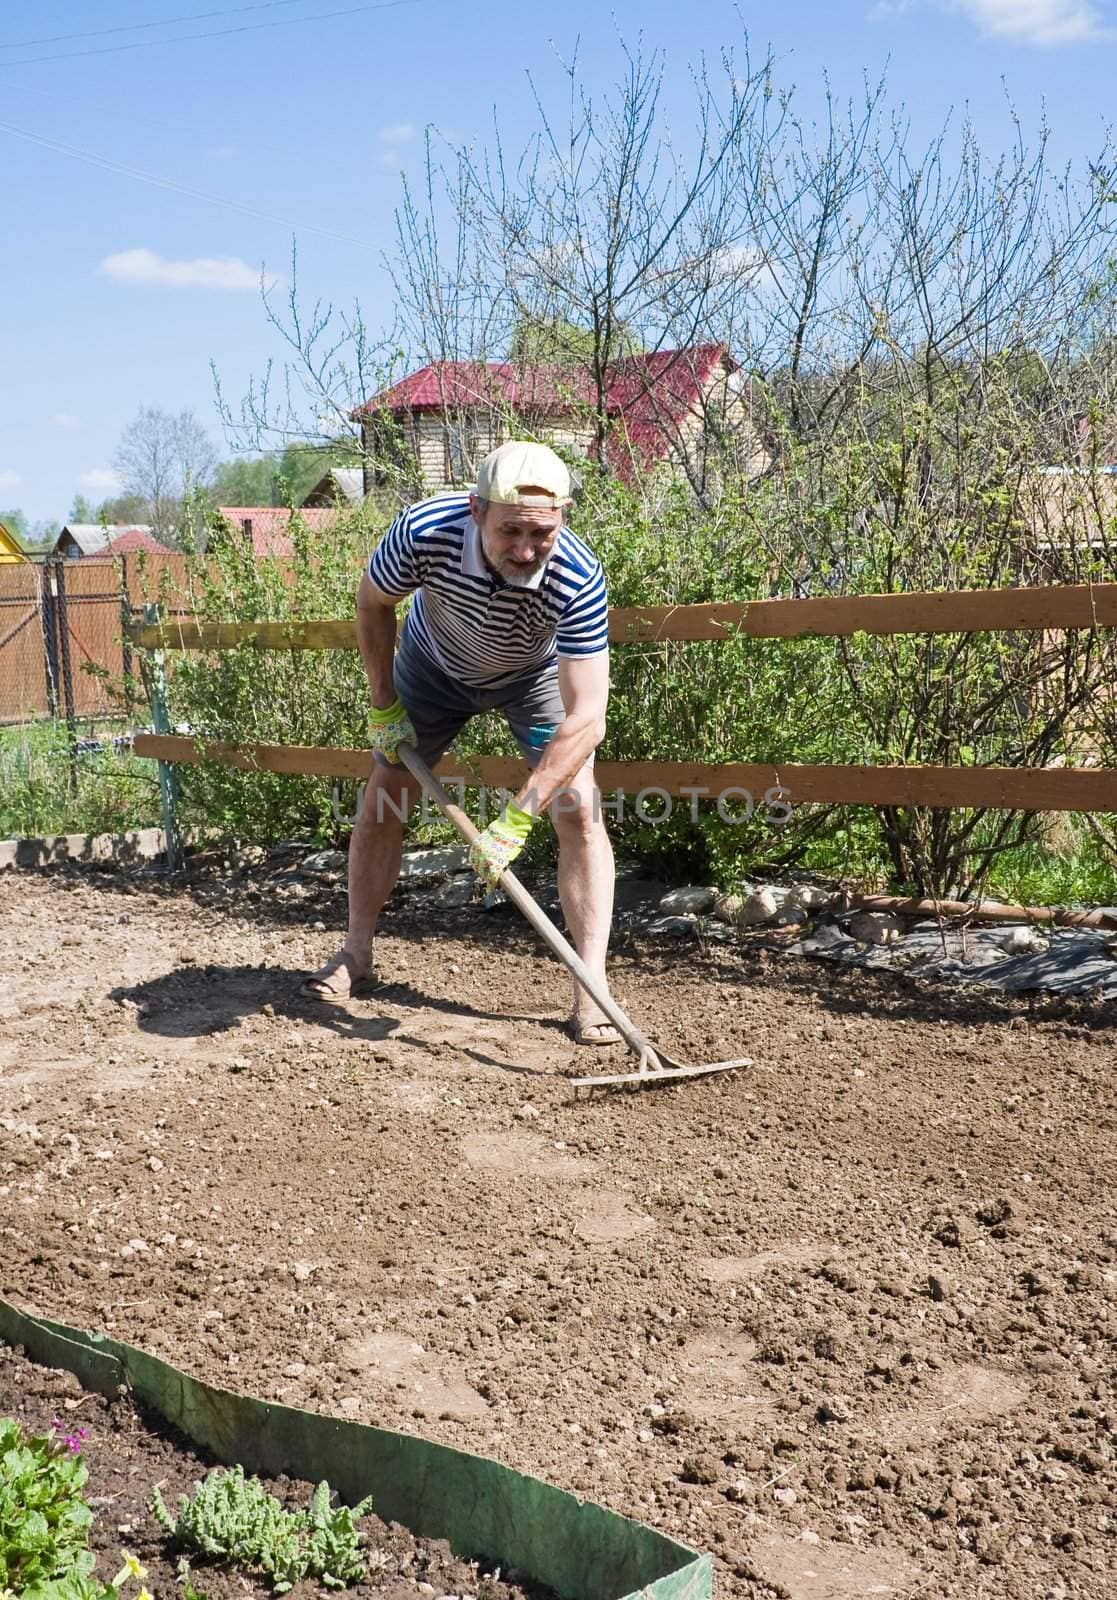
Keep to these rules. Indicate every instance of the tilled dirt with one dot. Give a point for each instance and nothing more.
(127, 1455)
(845, 1319)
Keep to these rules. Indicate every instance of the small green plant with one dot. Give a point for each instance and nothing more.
(234, 1518)
(44, 1518)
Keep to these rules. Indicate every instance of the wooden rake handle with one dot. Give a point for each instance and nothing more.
(524, 902)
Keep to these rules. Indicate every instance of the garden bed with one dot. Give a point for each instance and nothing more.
(128, 1453)
(848, 1313)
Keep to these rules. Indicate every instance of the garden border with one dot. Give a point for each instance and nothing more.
(482, 1508)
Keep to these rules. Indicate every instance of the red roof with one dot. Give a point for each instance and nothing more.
(647, 396)
(473, 383)
(134, 539)
(270, 525)
(645, 392)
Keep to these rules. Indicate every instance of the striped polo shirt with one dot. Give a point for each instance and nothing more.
(471, 623)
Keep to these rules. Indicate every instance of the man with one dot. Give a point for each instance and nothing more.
(509, 614)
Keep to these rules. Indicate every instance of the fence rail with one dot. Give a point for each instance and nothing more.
(968, 611)
(832, 616)
(992, 788)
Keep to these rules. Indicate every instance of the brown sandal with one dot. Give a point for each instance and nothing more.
(318, 987)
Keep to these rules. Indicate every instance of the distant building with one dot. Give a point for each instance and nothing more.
(78, 539)
(673, 409)
(11, 550)
(133, 540)
(340, 486)
(268, 528)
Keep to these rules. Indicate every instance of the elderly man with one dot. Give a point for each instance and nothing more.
(509, 614)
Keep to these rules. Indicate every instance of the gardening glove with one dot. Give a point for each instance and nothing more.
(500, 844)
(389, 728)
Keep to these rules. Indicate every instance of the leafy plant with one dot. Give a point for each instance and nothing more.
(234, 1518)
(44, 1518)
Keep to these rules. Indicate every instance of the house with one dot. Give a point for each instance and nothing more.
(11, 550)
(341, 486)
(667, 409)
(79, 539)
(268, 528)
(133, 540)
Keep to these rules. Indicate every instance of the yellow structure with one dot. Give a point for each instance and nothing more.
(10, 548)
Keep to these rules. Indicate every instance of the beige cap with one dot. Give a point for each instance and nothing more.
(519, 466)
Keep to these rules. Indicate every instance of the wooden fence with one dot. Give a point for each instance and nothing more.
(1047, 609)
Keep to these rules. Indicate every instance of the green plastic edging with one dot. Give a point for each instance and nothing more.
(482, 1508)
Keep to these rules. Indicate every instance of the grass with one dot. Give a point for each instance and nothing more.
(45, 790)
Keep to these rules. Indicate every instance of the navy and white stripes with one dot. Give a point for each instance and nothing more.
(468, 620)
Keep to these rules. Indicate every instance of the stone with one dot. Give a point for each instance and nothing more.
(938, 1285)
(433, 863)
(875, 927)
(458, 892)
(325, 861)
(674, 927)
(693, 900)
(728, 908)
(809, 896)
(758, 908)
(833, 1409)
(1022, 941)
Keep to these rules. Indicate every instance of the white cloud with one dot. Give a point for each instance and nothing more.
(398, 133)
(64, 419)
(204, 272)
(1039, 22)
(99, 480)
(9, 479)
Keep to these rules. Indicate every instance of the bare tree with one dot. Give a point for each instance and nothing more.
(603, 223)
(161, 457)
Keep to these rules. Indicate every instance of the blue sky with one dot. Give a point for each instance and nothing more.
(118, 292)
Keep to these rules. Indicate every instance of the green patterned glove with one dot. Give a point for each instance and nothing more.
(388, 729)
(500, 844)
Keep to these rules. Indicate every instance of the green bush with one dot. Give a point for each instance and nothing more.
(969, 699)
(45, 789)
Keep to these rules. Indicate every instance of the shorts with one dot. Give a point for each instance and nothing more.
(439, 706)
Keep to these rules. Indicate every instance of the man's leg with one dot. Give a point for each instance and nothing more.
(585, 879)
(375, 847)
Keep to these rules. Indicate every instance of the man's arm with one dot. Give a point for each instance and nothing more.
(376, 640)
(584, 686)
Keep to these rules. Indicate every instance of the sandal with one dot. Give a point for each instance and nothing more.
(319, 987)
(594, 1033)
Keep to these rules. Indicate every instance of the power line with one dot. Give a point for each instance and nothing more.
(215, 134)
(213, 33)
(136, 27)
(117, 167)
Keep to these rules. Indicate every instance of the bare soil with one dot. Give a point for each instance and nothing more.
(845, 1319)
(127, 1455)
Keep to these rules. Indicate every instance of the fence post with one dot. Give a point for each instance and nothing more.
(67, 675)
(127, 665)
(155, 682)
(50, 638)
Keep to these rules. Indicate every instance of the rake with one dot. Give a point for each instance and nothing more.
(654, 1066)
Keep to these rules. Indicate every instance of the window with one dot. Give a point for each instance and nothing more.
(461, 450)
